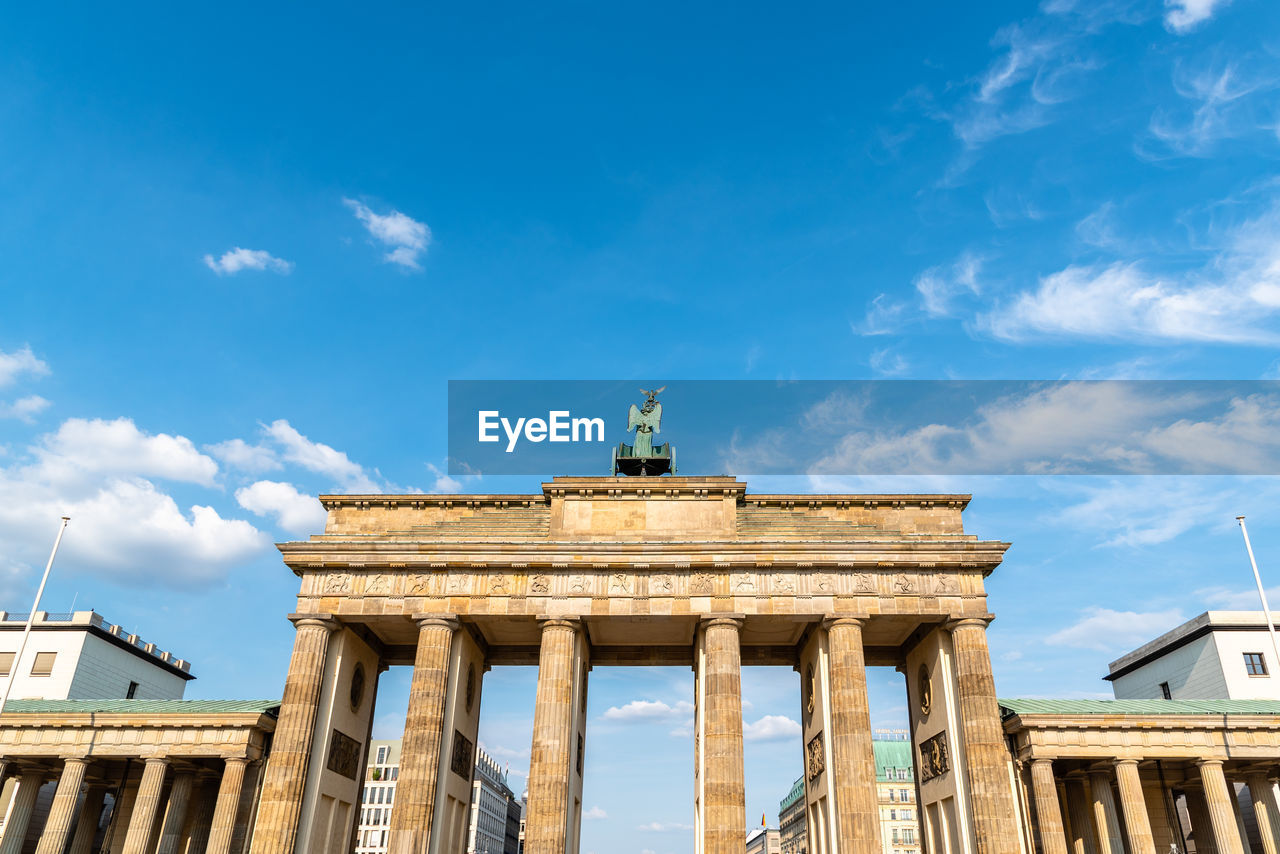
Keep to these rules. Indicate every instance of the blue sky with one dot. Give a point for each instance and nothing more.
(243, 250)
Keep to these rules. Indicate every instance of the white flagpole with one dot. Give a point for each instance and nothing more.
(1262, 594)
(22, 644)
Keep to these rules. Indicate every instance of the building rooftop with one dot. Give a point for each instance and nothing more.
(142, 707)
(891, 753)
(1138, 707)
(796, 793)
(1192, 629)
(94, 622)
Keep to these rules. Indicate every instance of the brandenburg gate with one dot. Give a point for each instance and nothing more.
(639, 571)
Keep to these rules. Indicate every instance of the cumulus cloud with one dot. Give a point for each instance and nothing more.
(83, 449)
(1184, 15)
(293, 511)
(19, 363)
(25, 408)
(237, 260)
(771, 728)
(124, 527)
(406, 238)
(320, 458)
(1105, 630)
(648, 710)
(595, 813)
(1233, 299)
(239, 454)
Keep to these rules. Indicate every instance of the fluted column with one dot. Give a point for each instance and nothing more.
(62, 813)
(724, 790)
(1136, 822)
(29, 782)
(1105, 818)
(87, 823)
(547, 826)
(1201, 826)
(176, 815)
(1262, 795)
(1222, 817)
(227, 805)
(1053, 837)
(994, 824)
(1083, 835)
(423, 736)
(195, 835)
(853, 758)
(280, 806)
(146, 807)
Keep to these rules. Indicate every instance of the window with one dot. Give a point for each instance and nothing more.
(382, 756)
(1165, 692)
(6, 663)
(1255, 664)
(44, 664)
(133, 690)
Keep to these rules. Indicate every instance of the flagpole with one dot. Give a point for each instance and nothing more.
(26, 631)
(1262, 593)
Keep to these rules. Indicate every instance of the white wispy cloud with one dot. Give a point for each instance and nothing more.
(648, 710)
(888, 363)
(1233, 298)
(238, 260)
(19, 363)
(320, 458)
(771, 728)
(663, 826)
(406, 238)
(595, 814)
(1221, 108)
(939, 287)
(1105, 629)
(294, 511)
(239, 454)
(86, 449)
(24, 408)
(1184, 15)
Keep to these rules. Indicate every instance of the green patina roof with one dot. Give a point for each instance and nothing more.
(1140, 707)
(891, 754)
(797, 792)
(138, 707)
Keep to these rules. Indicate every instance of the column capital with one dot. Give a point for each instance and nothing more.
(441, 621)
(325, 621)
(1126, 761)
(1201, 763)
(573, 624)
(844, 622)
(734, 620)
(969, 622)
(1041, 762)
(242, 761)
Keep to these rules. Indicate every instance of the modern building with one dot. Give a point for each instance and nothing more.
(81, 656)
(896, 793)
(1219, 655)
(793, 838)
(764, 840)
(380, 776)
(491, 808)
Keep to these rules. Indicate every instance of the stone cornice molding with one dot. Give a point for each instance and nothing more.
(682, 488)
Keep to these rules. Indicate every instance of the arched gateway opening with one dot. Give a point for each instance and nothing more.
(677, 571)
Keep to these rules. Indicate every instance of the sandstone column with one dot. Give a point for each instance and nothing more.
(423, 737)
(1136, 822)
(1263, 797)
(1105, 818)
(62, 814)
(994, 824)
(29, 782)
(1083, 835)
(146, 807)
(1201, 826)
(286, 775)
(195, 836)
(176, 815)
(725, 803)
(546, 828)
(1053, 837)
(1220, 797)
(87, 824)
(853, 774)
(227, 805)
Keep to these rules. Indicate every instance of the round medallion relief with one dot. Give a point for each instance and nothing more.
(357, 687)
